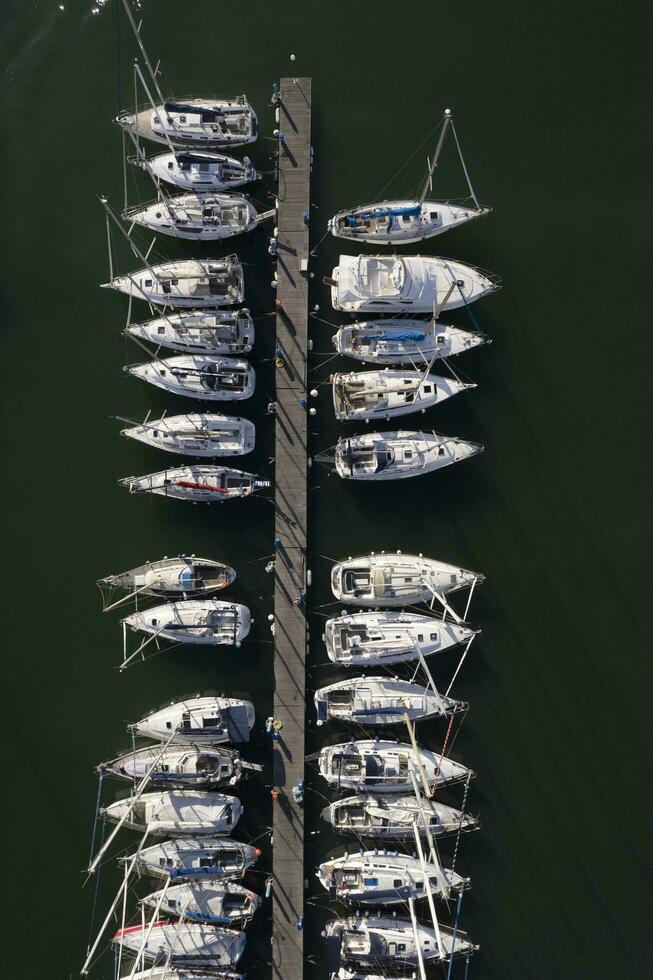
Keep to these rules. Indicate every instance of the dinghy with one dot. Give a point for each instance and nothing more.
(195, 858)
(385, 941)
(386, 878)
(201, 217)
(399, 455)
(211, 622)
(186, 283)
(169, 814)
(208, 902)
(396, 580)
(408, 284)
(181, 576)
(395, 341)
(185, 766)
(381, 701)
(196, 123)
(378, 638)
(395, 817)
(199, 434)
(380, 766)
(404, 222)
(194, 170)
(199, 331)
(201, 376)
(182, 943)
(364, 395)
(200, 484)
(199, 720)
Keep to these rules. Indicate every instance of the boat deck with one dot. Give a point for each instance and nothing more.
(291, 454)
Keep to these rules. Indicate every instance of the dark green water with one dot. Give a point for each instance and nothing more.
(549, 104)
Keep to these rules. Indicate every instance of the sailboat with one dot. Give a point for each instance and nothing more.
(207, 122)
(395, 579)
(396, 341)
(386, 878)
(211, 622)
(385, 941)
(180, 576)
(381, 701)
(199, 720)
(198, 484)
(186, 283)
(201, 217)
(364, 395)
(195, 858)
(201, 376)
(382, 766)
(388, 637)
(182, 766)
(200, 434)
(398, 455)
(198, 331)
(183, 943)
(408, 284)
(172, 813)
(395, 817)
(194, 170)
(207, 902)
(404, 222)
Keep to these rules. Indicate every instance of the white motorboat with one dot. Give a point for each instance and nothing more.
(199, 720)
(199, 331)
(199, 484)
(186, 283)
(196, 123)
(185, 766)
(182, 943)
(199, 434)
(177, 813)
(190, 858)
(180, 576)
(382, 766)
(402, 221)
(399, 455)
(206, 901)
(405, 284)
(202, 376)
(364, 395)
(395, 817)
(386, 878)
(197, 171)
(211, 622)
(378, 638)
(396, 341)
(199, 216)
(396, 580)
(381, 701)
(386, 940)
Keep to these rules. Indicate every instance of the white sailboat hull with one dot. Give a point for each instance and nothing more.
(380, 701)
(198, 484)
(216, 332)
(172, 577)
(207, 902)
(383, 456)
(183, 943)
(395, 817)
(195, 123)
(204, 622)
(378, 766)
(196, 859)
(365, 395)
(205, 435)
(187, 283)
(385, 878)
(177, 813)
(199, 376)
(197, 171)
(202, 217)
(396, 580)
(397, 341)
(378, 638)
(377, 225)
(200, 720)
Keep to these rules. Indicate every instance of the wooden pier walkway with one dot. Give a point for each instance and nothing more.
(291, 461)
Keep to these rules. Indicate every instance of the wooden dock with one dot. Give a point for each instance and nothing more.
(291, 462)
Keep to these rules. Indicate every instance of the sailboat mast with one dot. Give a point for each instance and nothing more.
(137, 35)
(436, 155)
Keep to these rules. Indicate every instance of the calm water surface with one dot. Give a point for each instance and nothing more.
(548, 104)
